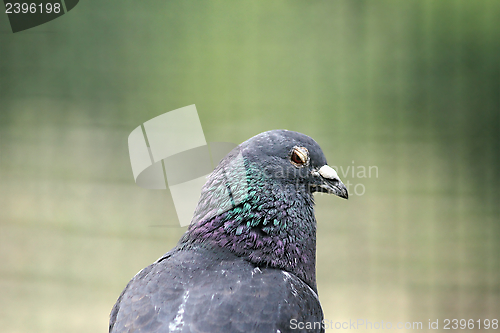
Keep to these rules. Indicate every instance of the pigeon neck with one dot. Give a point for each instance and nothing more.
(276, 231)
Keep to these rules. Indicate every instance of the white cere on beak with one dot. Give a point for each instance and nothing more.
(328, 172)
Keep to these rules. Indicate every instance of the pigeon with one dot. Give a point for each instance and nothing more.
(247, 262)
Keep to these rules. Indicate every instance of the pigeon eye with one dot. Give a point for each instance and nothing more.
(299, 156)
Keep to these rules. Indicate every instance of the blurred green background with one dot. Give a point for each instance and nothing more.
(410, 87)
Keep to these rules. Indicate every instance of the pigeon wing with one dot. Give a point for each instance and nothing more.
(201, 290)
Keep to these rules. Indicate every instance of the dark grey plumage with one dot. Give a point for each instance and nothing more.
(247, 261)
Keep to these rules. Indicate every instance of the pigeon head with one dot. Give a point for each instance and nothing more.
(258, 202)
(285, 157)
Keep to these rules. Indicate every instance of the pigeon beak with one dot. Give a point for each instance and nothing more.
(331, 182)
